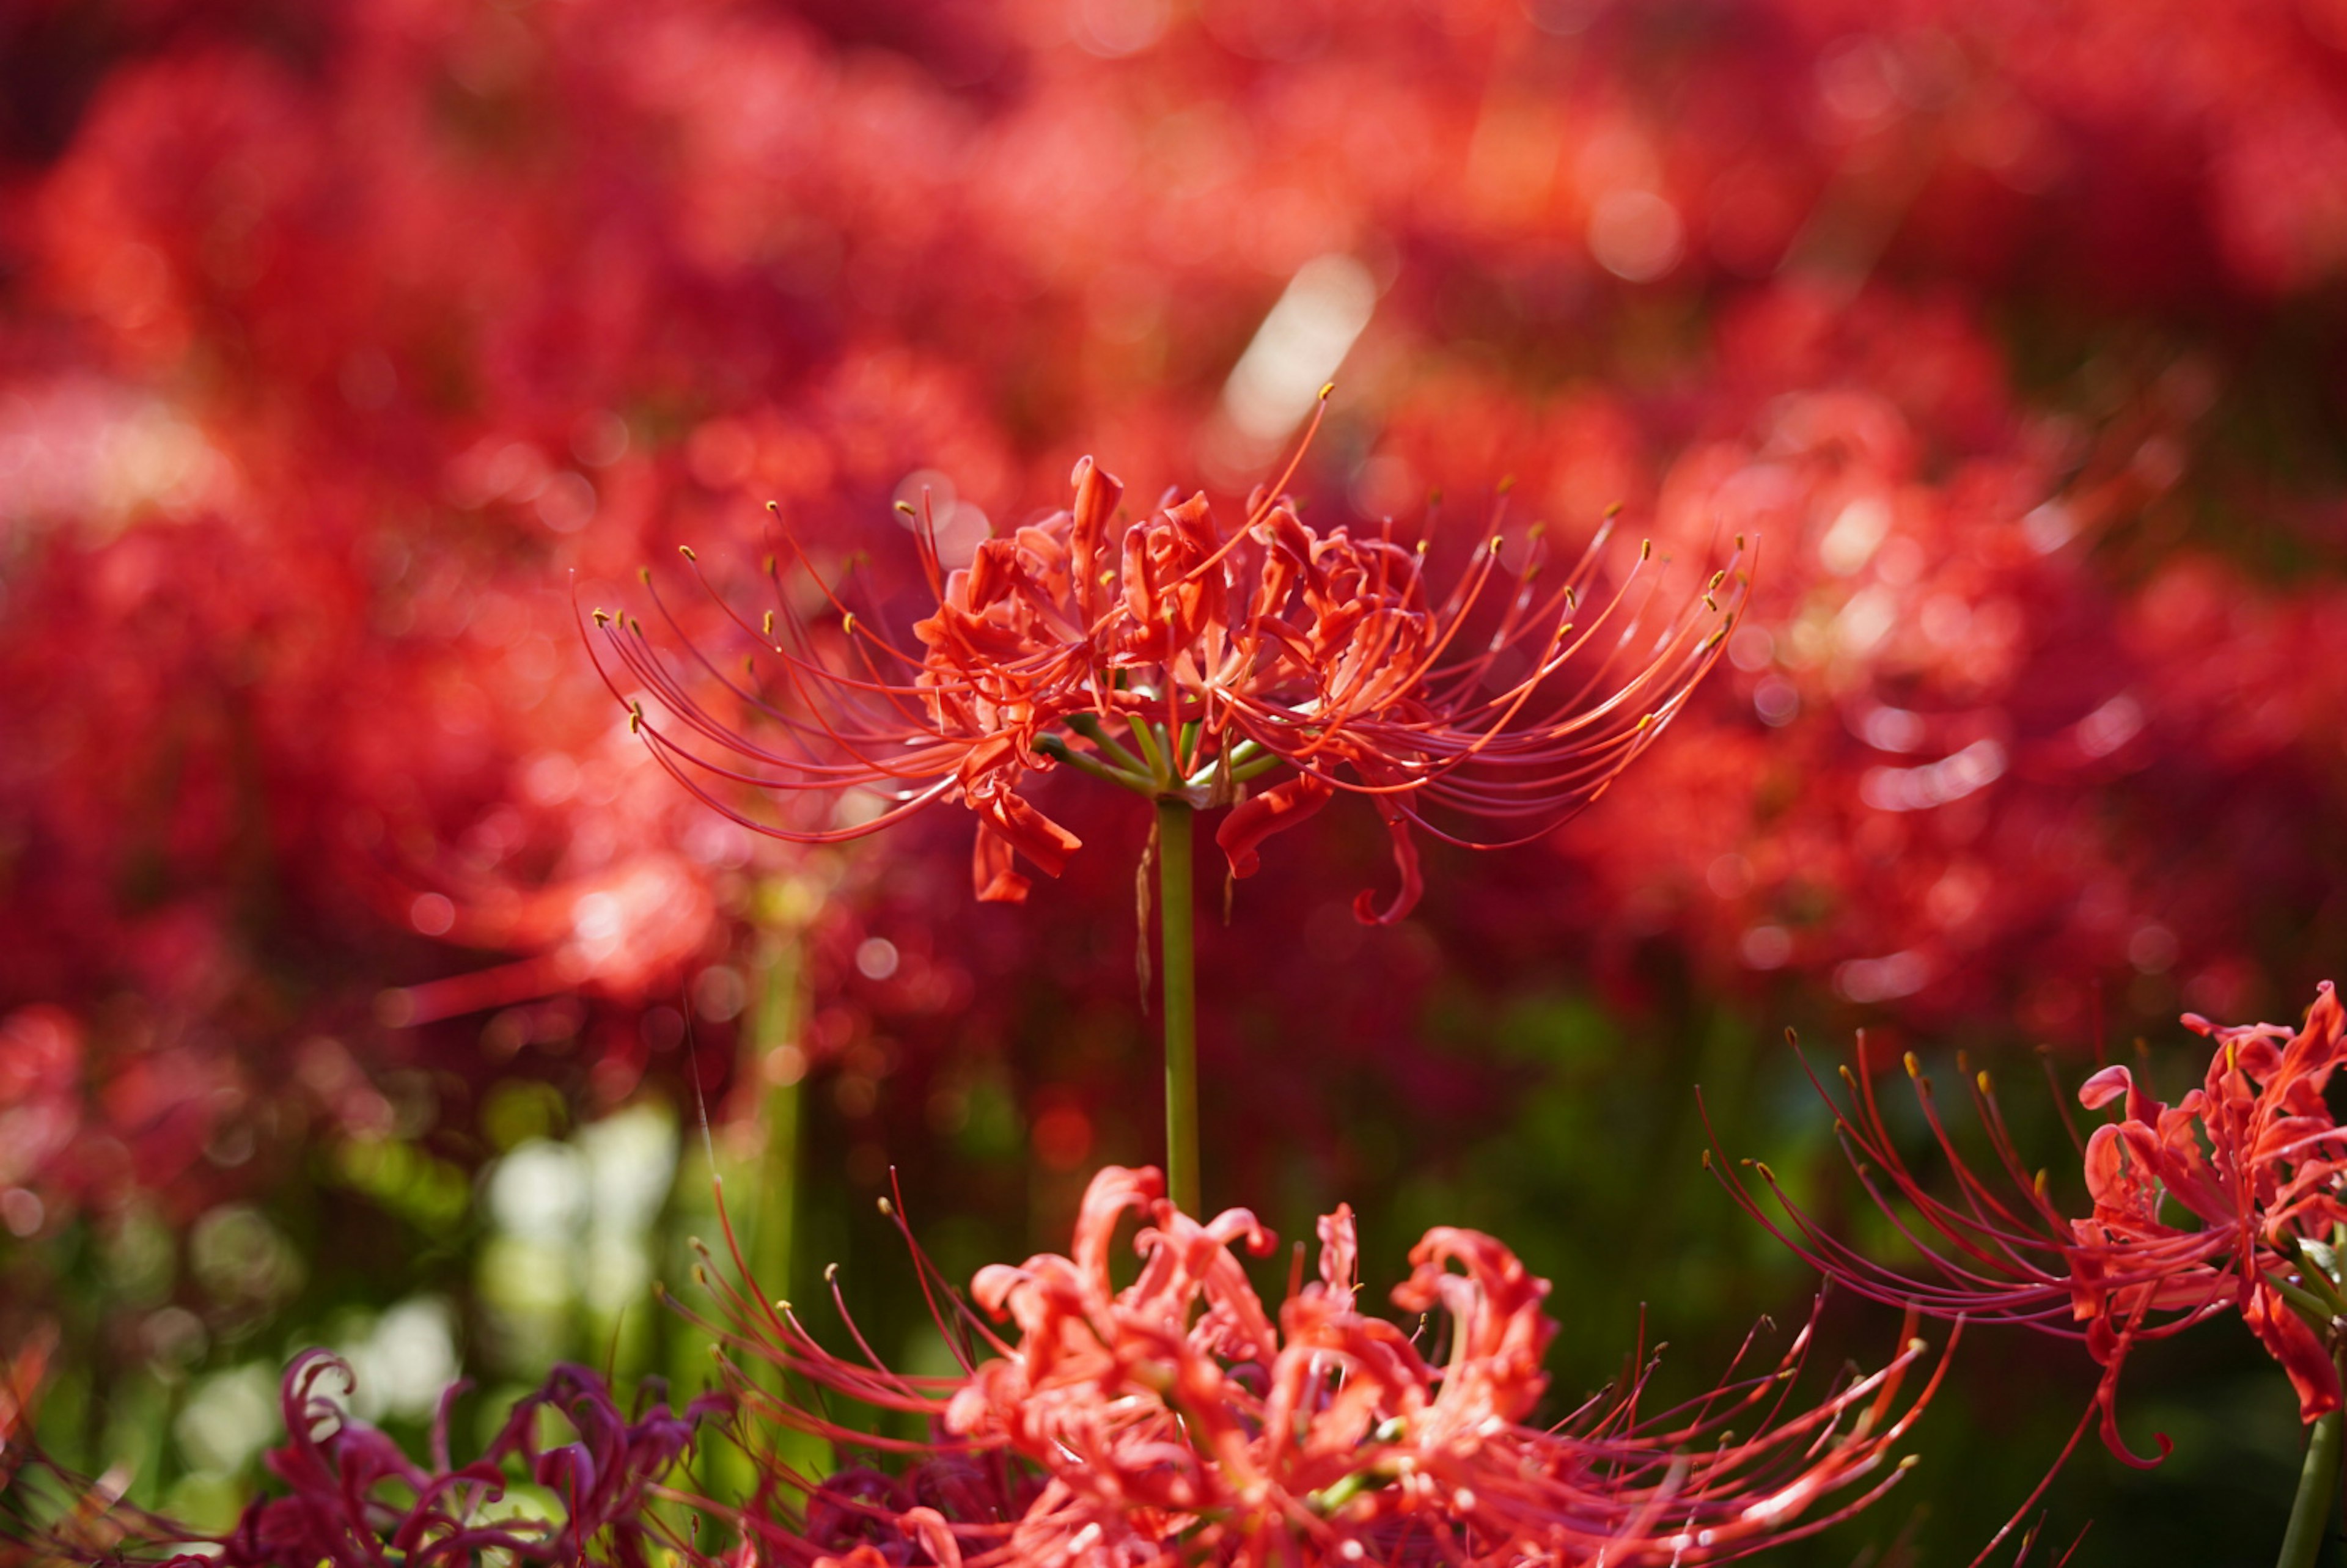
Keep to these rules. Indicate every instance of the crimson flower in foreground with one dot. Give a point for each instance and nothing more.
(1188, 664)
(1179, 1420)
(2254, 1155)
(355, 1500)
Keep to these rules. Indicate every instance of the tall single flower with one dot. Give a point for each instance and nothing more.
(2254, 1155)
(1264, 667)
(1180, 1419)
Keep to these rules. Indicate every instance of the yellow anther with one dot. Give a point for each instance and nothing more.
(645, 572)
(886, 1207)
(769, 625)
(1612, 511)
(635, 718)
(907, 507)
(686, 551)
(1327, 387)
(770, 560)
(1982, 1080)
(602, 617)
(1915, 1068)
(1646, 549)
(848, 623)
(830, 1272)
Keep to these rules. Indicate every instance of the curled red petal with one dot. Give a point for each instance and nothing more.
(1025, 829)
(2288, 1341)
(2104, 1087)
(1340, 1251)
(2106, 1397)
(1257, 818)
(1404, 854)
(1097, 494)
(991, 871)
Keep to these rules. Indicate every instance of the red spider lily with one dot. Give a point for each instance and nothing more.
(2254, 1153)
(357, 1500)
(1222, 658)
(1178, 1419)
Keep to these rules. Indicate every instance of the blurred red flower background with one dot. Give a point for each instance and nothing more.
(367, 982)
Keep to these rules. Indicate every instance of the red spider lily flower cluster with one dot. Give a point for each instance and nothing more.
(2254, 1155)
(1223, 657)
(1178, 1418)
(1949, 769)
(256, 266)
(354, 1499)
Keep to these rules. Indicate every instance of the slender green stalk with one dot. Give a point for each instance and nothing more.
(1176, 918)
(2311, 1513)
(1057, 751)
(776, 1026)
(1089, 727)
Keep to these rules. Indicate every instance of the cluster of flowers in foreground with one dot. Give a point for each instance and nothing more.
(2254, 1155)
(1176, 1418)
(1218, 657)
(354, 1498)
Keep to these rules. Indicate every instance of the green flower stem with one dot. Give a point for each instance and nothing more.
(1176, 918)
(1087, 725)
(1244, 768)
(1058, 750)
(777, 1024)
(2317, 1313)
(1145, 740)
(2310, 1514)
